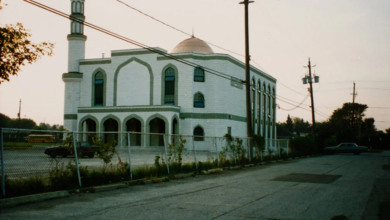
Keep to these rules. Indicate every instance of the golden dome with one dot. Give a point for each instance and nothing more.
(192, 45)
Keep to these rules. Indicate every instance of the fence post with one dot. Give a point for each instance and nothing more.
(193, 147)
(76, 156)
(216, 148)
(2, 161)
(278, 147)
(166, 157)
(131, 169)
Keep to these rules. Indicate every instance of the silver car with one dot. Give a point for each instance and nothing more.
(346, 148)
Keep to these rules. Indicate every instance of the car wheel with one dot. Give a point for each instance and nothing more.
(64, 155)
(53, 155)
(81, 154)
(91, 155)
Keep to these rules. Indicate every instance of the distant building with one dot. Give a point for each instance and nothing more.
(141, 91)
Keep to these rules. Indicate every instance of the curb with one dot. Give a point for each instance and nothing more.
(6, 203)
(109, 187)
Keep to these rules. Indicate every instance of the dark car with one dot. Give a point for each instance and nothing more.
(346, 148)
(84, 149)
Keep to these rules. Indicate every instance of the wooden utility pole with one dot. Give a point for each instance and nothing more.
(20, 108)
(312, 99)
(247, 77)
(353, 108)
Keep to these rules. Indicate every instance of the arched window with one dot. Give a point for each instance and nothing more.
(273, 113)
(258, 107)
(269, 112)
(264, 110)
(77, 28)
(99, 85)
(253, 101)
(198, 134)
(78, 7)
(169, 98)
(199, 100)
(73, 7)
(198, 75)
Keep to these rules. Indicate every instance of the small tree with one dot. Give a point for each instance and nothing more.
(259, 143)
(106, 152)
(17, 49)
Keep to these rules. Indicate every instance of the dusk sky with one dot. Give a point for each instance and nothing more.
(347, 40)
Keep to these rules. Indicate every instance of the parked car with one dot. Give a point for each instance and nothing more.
(84, 149)
(346, 148)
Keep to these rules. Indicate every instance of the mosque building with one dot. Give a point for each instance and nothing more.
(142, 91)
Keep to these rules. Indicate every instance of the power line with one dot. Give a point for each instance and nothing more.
(176, 28)
(290, 88)
(47, 8)
(296, 106)
(181, 31)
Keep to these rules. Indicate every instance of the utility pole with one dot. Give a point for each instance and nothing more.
(312, 100)
(247, 77)
(353, 108)
(316, 80)
(20, 108)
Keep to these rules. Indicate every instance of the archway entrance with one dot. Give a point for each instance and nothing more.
(134, 125)
(88, 125)
(157, 125)
(110, 125)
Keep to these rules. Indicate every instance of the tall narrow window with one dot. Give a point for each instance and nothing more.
(199, 100)
(169, 98)
(198, 75)
(198, 134)
(258, 107)
(99, 84)
(264, 110)
(253, 104)
(269, 112)
(273, 113)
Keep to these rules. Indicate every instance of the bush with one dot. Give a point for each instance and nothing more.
(24, 186)
(303, 145)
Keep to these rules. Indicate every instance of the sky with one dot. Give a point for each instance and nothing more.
(347, 40)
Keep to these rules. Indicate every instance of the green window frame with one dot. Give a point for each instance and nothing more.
(99, 89)
(199, 75)
(169, 80)
(198, 134)
(199, 101)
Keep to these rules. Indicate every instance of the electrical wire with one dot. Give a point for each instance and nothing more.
(181, 31)
(47, 8)
(177, 28)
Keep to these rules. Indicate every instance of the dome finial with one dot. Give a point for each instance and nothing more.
(192, 32)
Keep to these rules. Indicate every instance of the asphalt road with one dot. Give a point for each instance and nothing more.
(311, 188)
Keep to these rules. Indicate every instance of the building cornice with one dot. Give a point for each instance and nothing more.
(224, 57)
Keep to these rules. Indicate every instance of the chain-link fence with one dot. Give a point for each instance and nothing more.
(65, 160)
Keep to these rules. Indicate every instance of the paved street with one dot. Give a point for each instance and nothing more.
(341, 185)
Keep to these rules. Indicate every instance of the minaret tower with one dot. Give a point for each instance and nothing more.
(73, 77)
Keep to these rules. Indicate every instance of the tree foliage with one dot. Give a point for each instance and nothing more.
(16, 50)
(289, 124)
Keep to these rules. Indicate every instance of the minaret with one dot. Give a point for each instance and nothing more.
(76, 52)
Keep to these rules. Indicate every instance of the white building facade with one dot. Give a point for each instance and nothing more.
(142, 91)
